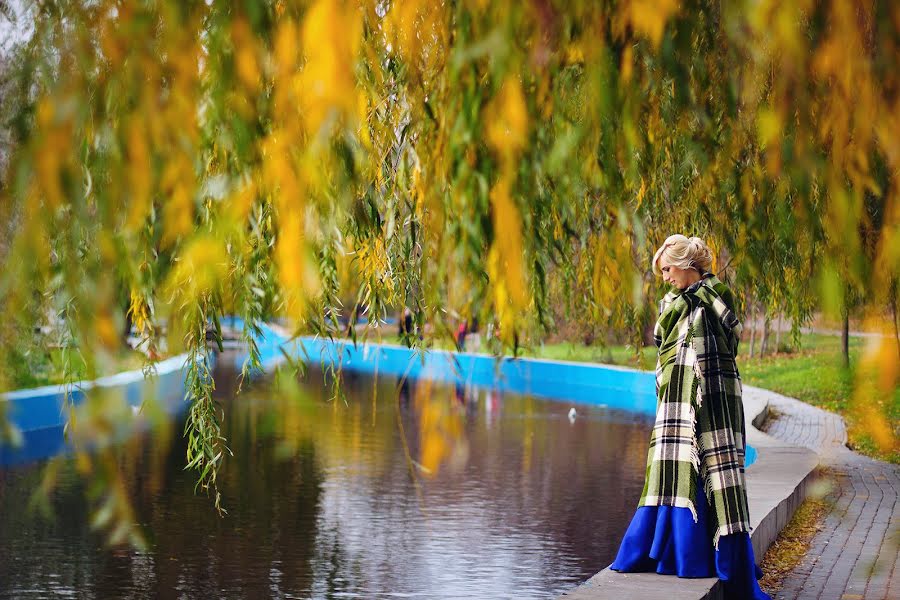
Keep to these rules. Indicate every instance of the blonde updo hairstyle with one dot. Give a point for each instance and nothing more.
(685, 253)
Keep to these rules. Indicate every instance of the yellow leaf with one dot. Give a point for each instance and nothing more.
(330, 39)
(508, 241)
(286, 50)
(139, 171)
(106, 330)
(245, 61)
(177, 186)
(649, 17)
(200, 269)
(627, 66)
(297, 270)
(507, 127)
(768, 126)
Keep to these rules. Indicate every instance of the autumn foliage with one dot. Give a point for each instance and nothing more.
(172, 162)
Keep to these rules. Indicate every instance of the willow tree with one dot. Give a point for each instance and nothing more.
(179, 161)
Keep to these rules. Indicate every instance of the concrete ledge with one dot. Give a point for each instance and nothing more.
(644, 586)
(777, 483)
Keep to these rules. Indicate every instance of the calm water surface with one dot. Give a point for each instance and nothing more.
(333, 499)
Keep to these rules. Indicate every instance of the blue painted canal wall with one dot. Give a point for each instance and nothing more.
(43, 407)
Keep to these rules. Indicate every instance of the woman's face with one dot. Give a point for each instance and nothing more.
(676, 276)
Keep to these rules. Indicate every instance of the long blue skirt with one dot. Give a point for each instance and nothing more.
(666, 539)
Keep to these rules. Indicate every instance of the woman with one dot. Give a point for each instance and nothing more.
(692, 518)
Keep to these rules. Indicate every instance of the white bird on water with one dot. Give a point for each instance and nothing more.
(572, 415)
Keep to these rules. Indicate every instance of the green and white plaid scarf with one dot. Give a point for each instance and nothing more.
(699, 430)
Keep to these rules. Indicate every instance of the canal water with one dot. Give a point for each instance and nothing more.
(395, 491)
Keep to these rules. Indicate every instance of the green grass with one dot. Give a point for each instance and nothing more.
(615, 355)
(35, 369)
(816, 375)
(792, 544)
(812, 374)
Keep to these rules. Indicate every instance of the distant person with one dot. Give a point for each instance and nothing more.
(405, 326)
(473, 338)
(692, 519)
(461, 335)
(408, 321)
(404, 323)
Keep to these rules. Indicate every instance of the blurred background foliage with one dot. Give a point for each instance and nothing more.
(169, 162)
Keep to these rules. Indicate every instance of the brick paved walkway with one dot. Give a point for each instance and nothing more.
(856, 555)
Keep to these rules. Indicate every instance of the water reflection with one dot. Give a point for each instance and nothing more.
(410, 490)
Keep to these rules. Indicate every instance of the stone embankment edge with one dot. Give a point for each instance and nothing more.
(777, 483)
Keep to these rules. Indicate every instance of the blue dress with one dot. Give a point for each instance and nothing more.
(666, 539)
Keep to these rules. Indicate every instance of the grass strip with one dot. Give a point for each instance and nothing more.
(792, 544)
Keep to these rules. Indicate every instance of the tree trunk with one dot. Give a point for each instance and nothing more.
(129, 321)
(752, 330)
(895, 315)
(647, 336)
(778, 334)
(764, 344)
(845, 338)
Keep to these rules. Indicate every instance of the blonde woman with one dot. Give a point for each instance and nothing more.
(692, 518)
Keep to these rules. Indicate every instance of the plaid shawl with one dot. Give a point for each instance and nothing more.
(699, 430)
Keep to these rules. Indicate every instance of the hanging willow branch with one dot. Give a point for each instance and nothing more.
(206, 444)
